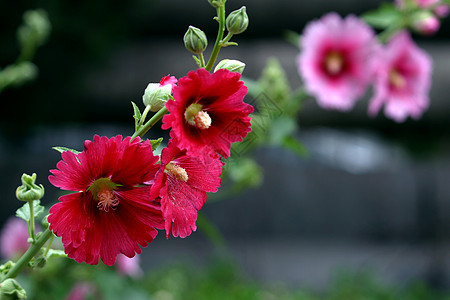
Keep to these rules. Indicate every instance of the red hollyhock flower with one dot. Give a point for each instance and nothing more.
(112, 211)
(208, 113)
(182, 182)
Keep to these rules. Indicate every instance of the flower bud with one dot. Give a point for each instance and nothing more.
(195, 40)
(442, 10)
(216, 3)
(231, 65)
(426, 23)
(29, 191)
(237, 21)
(10, 289)
(157, 94)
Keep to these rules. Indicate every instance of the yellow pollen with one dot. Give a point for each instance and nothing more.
(106, 200)
(397, 79)
(176, 171)
(202, 120)
(334, 63)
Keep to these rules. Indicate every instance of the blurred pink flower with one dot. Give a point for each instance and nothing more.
(402, 79)
(129, 266)
(81, 291)
(14, 238)
(334, 61)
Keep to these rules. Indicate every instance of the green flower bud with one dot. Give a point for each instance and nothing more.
(216, 3)
(237, 21)
(36, 28)
(10, 289)
(231, 65)
(29, 191)
(195, 40)
(156, 95)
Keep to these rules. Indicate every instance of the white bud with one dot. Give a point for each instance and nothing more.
(156, 95)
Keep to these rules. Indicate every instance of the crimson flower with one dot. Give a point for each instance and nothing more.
(208, 113)
(182, 182)
(111, 211)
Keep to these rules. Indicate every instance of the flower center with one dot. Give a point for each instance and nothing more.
(176, 171)
(107, 199)
(103, 191)
(334, 63)
(196, 116)
(396, 79)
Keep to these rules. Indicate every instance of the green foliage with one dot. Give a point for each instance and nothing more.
(32, 34)
(387, 15)
(155, 143)
(25, 214)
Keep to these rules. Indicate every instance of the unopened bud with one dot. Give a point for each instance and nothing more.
(216, 3)
(29, 191)
(442, 10)
(10, 289)
(237, 21)
(156, 96)
(426, 23)
(195, 40)
(231, 65)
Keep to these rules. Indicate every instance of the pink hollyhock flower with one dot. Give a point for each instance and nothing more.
(182, 182)
(81, 291)
(129, 266)
(334, 61)
(14, 238)
(112, 211)
(208, 113)
(402, 79)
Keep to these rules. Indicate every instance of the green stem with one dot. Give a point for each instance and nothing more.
(226, 39)
(144, 115)
(49, 245)
(31, 225)
(146, 127)
(217, 45)
(31, 252)
(202, 60)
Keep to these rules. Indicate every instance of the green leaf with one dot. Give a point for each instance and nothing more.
(137, 113)
(295, 146)
(156, 143)
(24, 211)
(62, 149)
(385, 16)
(56, 253)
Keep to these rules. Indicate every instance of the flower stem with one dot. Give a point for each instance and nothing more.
(146, 127)
(217, 45)
(31, 252)
(31, 225)
(202, 60)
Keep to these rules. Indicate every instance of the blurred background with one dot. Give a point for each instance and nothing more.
(371, 195)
